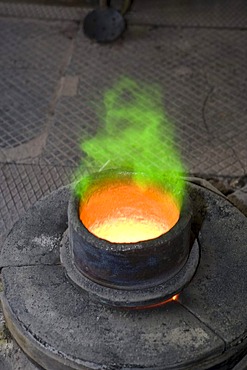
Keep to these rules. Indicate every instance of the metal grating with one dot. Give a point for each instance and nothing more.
(39, 11)
(34, 44)
(32, 54)
(24, 105)
(203, 76)
(193, 13)
(22, 185)
(75, 120)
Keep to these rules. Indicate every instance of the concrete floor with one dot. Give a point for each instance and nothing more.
(52, 79)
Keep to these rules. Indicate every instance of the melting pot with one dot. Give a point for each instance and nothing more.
(133, 239)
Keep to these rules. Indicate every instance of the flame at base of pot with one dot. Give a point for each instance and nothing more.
(128, 213)
(156, 305)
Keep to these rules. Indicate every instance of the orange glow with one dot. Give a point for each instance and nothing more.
(156, 305)
(124, 212)
(174, 298)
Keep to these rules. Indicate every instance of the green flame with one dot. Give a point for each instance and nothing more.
(135, 135)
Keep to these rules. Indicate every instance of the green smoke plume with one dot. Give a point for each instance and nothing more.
(134, 135)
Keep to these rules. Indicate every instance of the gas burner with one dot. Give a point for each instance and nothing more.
(61, 322)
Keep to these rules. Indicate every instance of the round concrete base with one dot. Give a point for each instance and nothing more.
(60, 327)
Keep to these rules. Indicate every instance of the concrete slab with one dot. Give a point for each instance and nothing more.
(28, 246)
(75, 333)
(221, 275)
(22, 185)
(239, 199)
(60, 327)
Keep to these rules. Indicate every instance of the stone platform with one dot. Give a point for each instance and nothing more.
(60, 327)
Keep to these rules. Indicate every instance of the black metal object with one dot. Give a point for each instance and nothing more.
(104, 25)
(129, 265)
(130, 298)
(139, 274)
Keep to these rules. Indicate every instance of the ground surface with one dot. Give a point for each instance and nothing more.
(52, 78)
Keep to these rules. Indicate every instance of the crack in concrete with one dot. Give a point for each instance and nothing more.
(31, 265)
(212, 330)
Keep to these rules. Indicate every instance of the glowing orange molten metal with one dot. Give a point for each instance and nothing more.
(128, 213)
